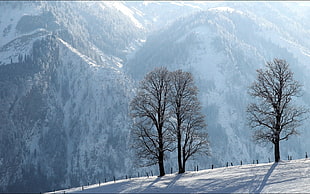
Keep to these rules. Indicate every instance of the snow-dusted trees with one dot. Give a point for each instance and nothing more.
(166, 115)
(187, 123)
(274, 116)
(150, 111)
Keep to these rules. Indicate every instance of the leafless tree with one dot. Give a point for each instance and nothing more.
(274, 116)
(187, 122)
(150, 112)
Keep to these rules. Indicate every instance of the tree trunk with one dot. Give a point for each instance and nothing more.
(277, 150)
(183, 161)
(183, 169)
(160, 149)
(161, 164)
(179, 153)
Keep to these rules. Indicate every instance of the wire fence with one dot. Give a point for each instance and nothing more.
(150, 173)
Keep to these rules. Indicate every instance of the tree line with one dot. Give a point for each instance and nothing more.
(167, 114)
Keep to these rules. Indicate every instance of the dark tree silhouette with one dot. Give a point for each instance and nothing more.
(149, 110)
(274, 116)
(187, 122)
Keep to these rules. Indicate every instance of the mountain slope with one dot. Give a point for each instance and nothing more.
(283, 177)
(223, 47)
(64, 95)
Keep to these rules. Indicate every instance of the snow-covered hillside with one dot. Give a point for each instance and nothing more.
(283, 177)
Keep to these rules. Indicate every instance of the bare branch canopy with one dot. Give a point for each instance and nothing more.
(274, 116)
(167, 115)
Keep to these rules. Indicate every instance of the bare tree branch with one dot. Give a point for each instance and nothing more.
(187, 122)
(150, 112)
(274, 116)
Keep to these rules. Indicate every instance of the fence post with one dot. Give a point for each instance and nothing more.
(147, 174)
(231, 164)
(212, 166)
(257, 161)
(99, 183)
(197, 167)
(241, 162)
(138, 174)
(114, 178)
(306, 155)
(226, 164)
(105, 180)
(152, 173)
(171, 170)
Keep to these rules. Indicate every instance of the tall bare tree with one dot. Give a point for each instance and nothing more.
(150, 111)
(274, 116)
(187, 122)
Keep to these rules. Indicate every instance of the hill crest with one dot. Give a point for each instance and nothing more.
(283, 177)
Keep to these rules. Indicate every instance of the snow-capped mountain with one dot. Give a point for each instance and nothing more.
(64, 94)
(68, 71)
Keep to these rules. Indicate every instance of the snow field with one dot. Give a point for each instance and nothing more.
(283, 177)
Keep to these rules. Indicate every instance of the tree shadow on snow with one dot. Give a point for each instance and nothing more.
(264, 182)
(149, 187)
(169, 184)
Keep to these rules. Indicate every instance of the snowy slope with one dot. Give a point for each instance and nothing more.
(283, 177)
